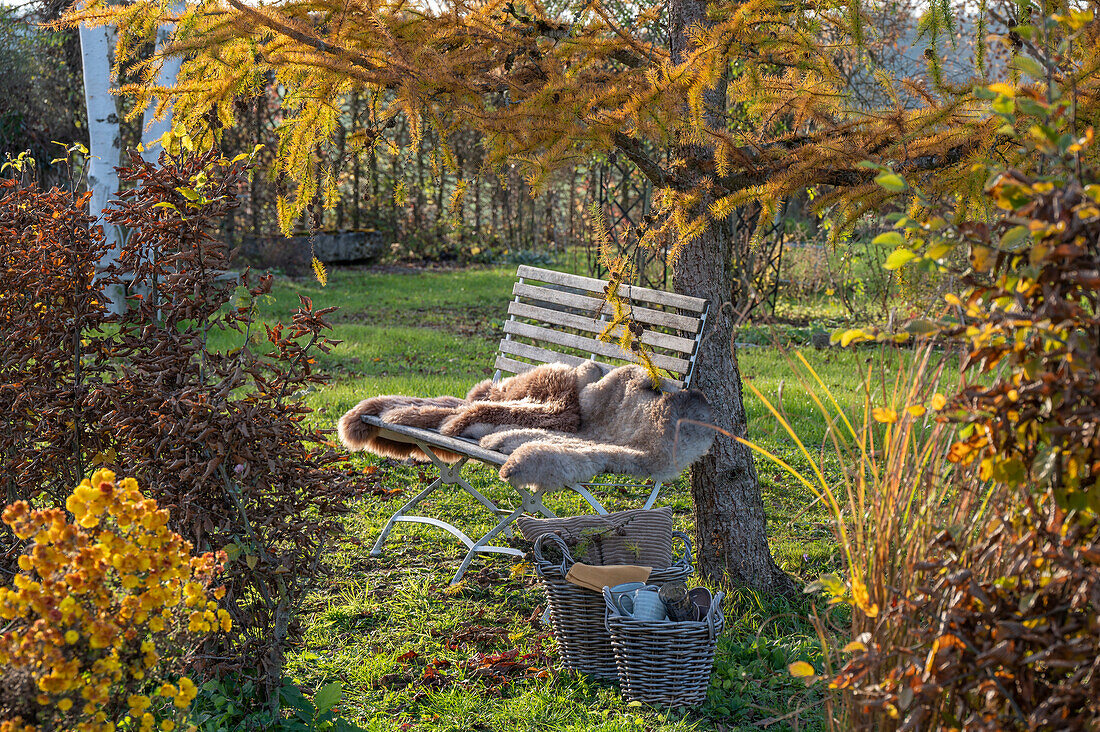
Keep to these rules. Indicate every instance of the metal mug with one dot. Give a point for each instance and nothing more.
(626, 589)
(643, 604)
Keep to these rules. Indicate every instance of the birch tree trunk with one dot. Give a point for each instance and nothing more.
(730, 525)
(96, 48)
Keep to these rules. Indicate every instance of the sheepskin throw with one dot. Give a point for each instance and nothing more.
(558, 424)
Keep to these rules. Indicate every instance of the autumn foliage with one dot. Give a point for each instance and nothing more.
(105, 610)
(1007, 634)
(48, 256)
(1000, 628)
(217, 435)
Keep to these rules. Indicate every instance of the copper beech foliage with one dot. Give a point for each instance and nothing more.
(1032, 309)
(1001, 630)
(219, 438)
(48, 252)
(1019, 651)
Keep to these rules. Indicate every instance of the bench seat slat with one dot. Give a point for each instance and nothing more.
(590, 305)
(469, 448)
(643, 294)
(609, 350)
(559, 317)
(543, 355)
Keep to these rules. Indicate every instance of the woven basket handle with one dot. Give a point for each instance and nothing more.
(686, 559)
(567, 560)
(715, 609)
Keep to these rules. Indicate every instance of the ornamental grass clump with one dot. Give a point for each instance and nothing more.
(1000, 627)
(105, 612)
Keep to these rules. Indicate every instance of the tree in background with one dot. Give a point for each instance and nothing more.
(104, 133)
(41, 100)
(750, 100)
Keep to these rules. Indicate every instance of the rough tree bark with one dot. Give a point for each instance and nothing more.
(730, 525)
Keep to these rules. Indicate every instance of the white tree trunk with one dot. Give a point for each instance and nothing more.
(153, 129)
(96, 49)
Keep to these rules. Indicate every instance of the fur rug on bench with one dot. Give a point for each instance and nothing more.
(558, 424)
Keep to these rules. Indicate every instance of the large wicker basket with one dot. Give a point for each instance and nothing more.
(577, 614)
(664, 662)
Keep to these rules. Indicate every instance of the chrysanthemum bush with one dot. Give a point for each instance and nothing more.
(104, 614)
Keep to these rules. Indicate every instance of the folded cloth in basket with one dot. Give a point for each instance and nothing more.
(558, 424)
(596, 578)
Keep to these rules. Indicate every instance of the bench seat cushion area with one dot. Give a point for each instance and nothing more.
(625, 426)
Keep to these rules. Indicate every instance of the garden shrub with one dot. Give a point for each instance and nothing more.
(1003, 631)
(48, 302)
(1008, 634)
(103, 615)
(220, 436)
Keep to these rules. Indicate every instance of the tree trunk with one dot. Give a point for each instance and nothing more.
(730, 526)
(96, 45)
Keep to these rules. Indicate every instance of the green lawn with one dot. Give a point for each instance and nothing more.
(407, 651)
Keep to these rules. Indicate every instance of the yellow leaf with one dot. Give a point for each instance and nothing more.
(939, 401)
(981, 258)
(849, 336)
(899, 258)
(938, 251)
(853, 647)
(884, 415)
(916, 410)
(319, 270)
(862, 598)
(801, 670)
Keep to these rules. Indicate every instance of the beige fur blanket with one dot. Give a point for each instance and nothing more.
(558, 424)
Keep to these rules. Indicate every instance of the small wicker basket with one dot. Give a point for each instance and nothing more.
(664, 662)
(577, 614)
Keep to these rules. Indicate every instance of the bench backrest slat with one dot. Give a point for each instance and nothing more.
(677, 344)
(542, 355)
(637, 294)
(583, 343)
(555, 317)
(584, 303)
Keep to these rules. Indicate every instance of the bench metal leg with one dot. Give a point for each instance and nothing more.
(532, 502)
(376, 551)
(587, 495)
(452, 475)
(653, 495)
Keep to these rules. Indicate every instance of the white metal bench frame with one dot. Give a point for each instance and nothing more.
(561, 301)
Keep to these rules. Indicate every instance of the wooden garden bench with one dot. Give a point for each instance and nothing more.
(553, 318)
